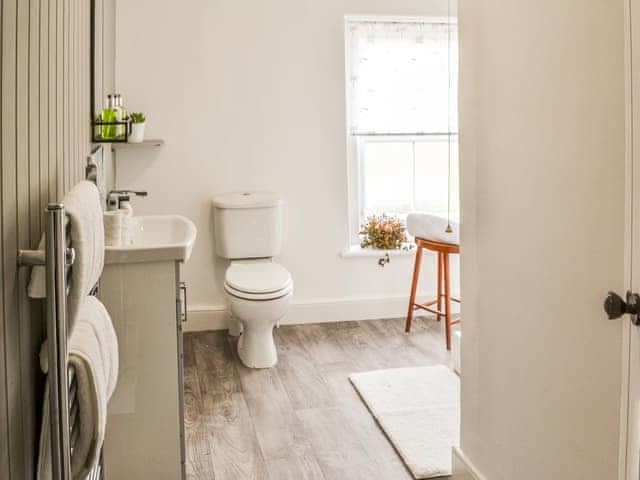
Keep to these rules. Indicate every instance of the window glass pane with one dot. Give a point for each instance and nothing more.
(387, 169)
(431, 177)
(403, 77)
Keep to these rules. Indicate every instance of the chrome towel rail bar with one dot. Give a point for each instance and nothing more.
(56, 258)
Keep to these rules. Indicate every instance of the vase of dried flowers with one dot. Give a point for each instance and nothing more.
(384, 232)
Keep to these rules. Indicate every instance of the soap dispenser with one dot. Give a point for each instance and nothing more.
(125, 204)
(128, 222)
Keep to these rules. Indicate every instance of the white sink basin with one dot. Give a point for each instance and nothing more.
(156, 238)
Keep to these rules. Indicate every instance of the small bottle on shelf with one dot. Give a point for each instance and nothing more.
(124, 115)
(109, 114)
(118, 110)
(125, 112)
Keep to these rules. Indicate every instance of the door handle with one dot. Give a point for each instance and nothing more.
(183, 288)
(616, 307)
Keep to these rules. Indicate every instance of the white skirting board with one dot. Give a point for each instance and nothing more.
(463, 468)
(312, 311)
(201, 319)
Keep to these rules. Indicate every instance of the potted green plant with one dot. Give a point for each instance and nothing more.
(138, 121)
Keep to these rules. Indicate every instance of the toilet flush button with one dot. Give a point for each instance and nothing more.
(244, 199)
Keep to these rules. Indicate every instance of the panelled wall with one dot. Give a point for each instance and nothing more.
(45, 139)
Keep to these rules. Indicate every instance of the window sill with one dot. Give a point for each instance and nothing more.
(356, 251)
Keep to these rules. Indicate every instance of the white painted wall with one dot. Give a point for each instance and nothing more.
(542, 153)
(251, 95)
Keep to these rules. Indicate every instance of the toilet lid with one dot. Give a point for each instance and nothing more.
(259, 277)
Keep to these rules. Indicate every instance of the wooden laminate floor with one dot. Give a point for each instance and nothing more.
(302, 419)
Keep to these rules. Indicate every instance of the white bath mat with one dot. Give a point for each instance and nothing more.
(419, 411)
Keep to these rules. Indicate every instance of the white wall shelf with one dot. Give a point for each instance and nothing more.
(149, 143)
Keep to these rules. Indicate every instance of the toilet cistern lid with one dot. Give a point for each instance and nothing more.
(264, 277)
(247, 200)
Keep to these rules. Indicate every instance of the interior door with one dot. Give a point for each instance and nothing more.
(627, 305)
(543, 236)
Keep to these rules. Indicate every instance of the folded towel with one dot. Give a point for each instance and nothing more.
(118, 225)
(82, 204)
(93, 352)
(432, 227)
(113, 221)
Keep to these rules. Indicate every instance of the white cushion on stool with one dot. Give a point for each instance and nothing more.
(431, 227)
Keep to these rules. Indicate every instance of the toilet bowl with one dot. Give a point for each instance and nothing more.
(248, 232)
(259, 294)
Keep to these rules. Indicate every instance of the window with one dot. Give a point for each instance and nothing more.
(402, 117)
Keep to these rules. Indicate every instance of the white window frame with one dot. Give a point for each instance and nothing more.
(355, 157)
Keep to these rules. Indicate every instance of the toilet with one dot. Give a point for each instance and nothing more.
(248, 232)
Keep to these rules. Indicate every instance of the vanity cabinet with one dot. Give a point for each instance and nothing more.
(145, 428)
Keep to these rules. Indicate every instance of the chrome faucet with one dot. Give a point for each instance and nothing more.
(114, 197)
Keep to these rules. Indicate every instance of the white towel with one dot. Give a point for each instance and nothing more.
(93, 351)
(82, 205)
(118, 228)
(113, 225)
(432, 227)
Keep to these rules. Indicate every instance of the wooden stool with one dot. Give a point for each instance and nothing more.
(444, 283)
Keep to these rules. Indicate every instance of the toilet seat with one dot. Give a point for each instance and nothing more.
(261, 280)
(258, 296)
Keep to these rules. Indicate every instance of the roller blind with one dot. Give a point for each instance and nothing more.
(403, 77)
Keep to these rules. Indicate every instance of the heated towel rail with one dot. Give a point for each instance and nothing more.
(58, 257)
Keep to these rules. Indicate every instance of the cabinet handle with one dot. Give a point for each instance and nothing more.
(183, 288)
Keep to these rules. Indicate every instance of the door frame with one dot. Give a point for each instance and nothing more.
(628, 438)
